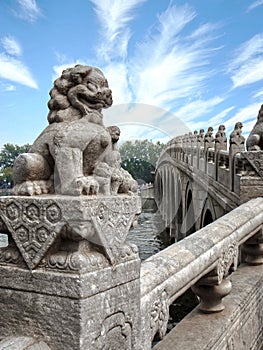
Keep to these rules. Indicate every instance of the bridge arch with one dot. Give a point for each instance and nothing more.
(208, 213)
(189, 213)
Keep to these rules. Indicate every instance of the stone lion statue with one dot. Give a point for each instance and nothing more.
(255, 138)
(71, 156)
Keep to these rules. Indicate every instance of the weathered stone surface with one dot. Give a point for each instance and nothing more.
(255, 138)
(210, 253)
(74, 154)
(237, 140)
(37, 223)
(22, 343)
(209, 138)
(239, 326)
(66, 323)
(220, 139)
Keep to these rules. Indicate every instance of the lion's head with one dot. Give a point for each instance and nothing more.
(80, 91)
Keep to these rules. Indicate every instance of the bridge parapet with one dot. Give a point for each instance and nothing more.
(197, 171)
(204, 261)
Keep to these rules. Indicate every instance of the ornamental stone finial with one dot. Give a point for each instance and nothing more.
(221, 139)
(200, 138)
(209, 138)
(255, 138)
(237, 140)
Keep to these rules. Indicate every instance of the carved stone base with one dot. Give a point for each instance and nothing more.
(71, 310)
(39, 225)
(67, 276)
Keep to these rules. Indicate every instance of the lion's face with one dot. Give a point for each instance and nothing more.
(80, 91)
(98, 95)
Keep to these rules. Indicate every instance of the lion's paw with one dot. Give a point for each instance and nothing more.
(31, 188)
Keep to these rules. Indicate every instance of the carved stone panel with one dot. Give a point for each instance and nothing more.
(255, 158)
(115, 333)
(36, 223)
(160, 314)
(30, 227)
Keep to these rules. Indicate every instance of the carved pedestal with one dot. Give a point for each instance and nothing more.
(211, 296)
(67, 276)
(214, 286)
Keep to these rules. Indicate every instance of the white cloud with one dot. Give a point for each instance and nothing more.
(10, 88)
(114, 16)
(246, 115)
(117, 76)
(220, 117)
(167, 66)
(11, 46)
(197, 109)
(14, 70)
(247, 66)
(254, 5)
(28, 10)
(258, 94)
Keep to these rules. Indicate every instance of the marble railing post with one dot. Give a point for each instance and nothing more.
(237, 145)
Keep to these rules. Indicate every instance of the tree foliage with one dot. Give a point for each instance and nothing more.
(139, 158)
(8, 154)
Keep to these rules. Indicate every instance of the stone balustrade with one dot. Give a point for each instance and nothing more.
(209, 156)
(202, 261)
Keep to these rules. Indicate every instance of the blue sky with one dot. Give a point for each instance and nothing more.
(172, 65)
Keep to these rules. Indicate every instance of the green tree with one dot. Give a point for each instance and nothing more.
(139, 158)
(8, 154)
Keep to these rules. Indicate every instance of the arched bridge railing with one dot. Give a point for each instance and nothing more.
(200, 177)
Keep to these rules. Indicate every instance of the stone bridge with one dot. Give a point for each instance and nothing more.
(69, 278)
(199, 178)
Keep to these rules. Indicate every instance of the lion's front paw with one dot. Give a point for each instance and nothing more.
(31, 188)
(87, 185)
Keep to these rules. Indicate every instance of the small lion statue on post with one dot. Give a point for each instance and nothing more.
(255, 138)
(70, 157)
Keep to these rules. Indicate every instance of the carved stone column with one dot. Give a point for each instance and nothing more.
(214, 286)
(68, 277)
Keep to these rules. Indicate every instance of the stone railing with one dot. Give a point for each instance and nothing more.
(230, 166)
(202, 261)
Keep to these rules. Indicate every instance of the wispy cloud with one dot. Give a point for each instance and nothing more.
(169, 65)
(258, 94)
(11, 46)
(197, 109)
(254, 5)
(220, 117)
(14, 70)
(246, 115)
(114, 16)
(11, 67)
(28, 10)
(6, 87)
(247, 66)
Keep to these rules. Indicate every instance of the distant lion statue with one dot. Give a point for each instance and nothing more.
(65, 158)
(255, 138)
